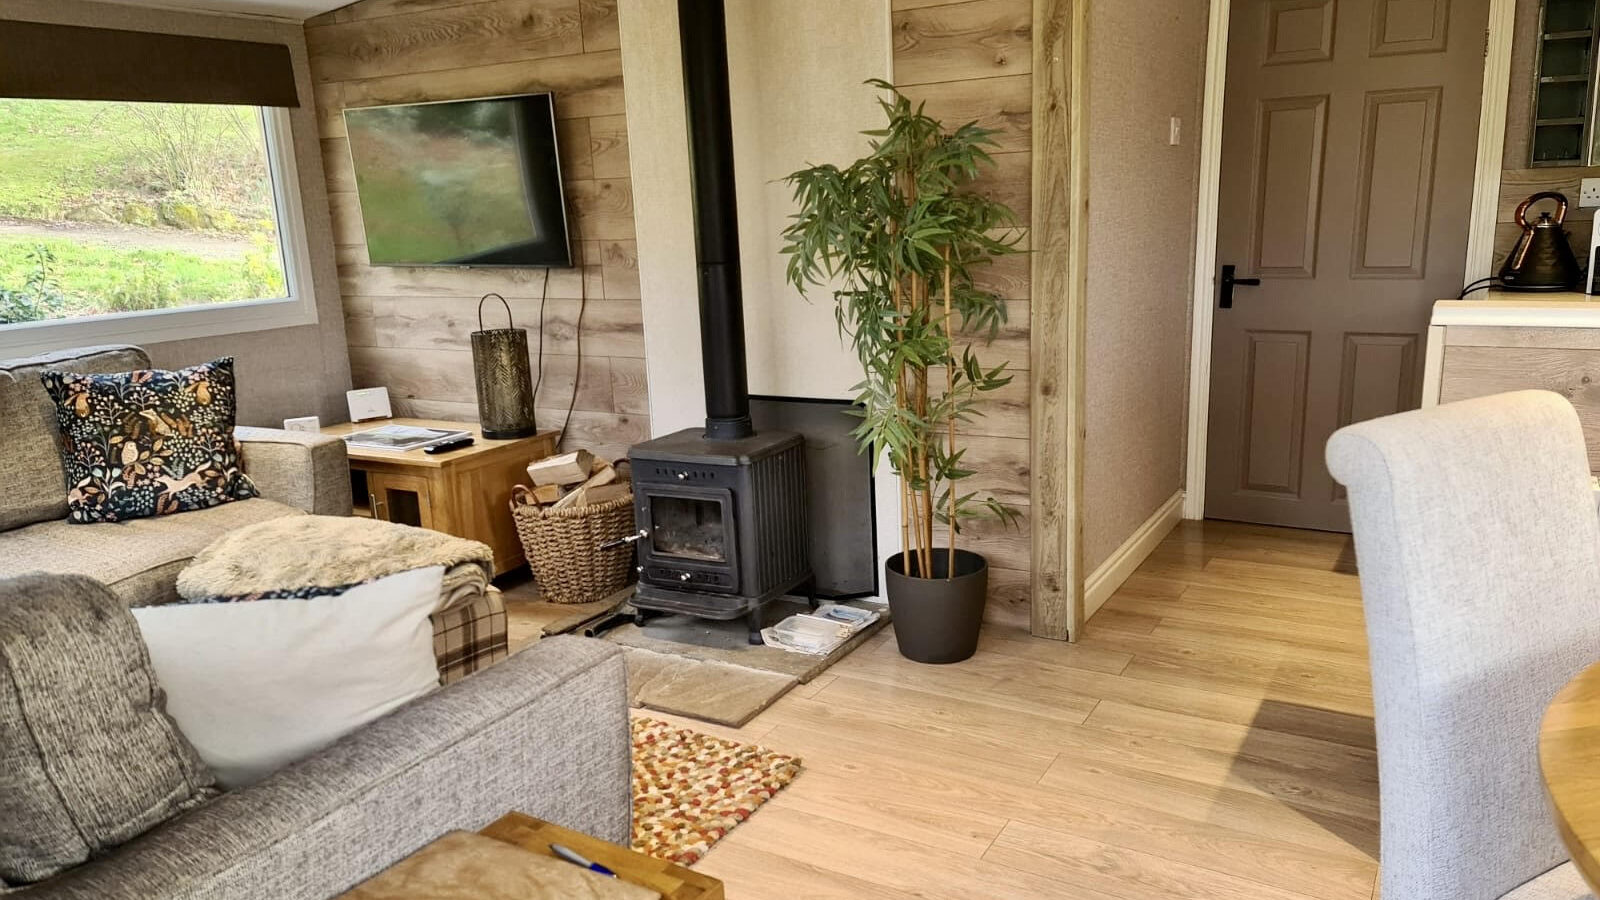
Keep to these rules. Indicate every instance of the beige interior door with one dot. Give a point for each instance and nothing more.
(1349, 148)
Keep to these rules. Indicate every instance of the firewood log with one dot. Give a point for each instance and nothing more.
(568, 468)
(603, 475)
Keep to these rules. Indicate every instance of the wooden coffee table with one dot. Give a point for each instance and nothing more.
(672, 881)
(1569, 758)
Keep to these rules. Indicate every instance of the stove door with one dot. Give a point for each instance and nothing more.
(692, 541)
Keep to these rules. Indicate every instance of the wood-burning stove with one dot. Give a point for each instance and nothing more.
(722, 524)
(721, 511)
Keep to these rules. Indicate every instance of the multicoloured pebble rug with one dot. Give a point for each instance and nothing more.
(691, 789)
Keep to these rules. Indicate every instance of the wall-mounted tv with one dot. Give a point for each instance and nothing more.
(460, 182)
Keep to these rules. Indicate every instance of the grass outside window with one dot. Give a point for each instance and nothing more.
(112, 207)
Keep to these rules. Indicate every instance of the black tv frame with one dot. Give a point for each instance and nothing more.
(496, 257)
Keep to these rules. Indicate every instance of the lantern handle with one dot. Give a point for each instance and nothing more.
(509, 323)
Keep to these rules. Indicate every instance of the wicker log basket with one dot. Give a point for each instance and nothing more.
(563, 547)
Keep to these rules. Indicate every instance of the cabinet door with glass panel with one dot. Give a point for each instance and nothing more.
(1564, 95)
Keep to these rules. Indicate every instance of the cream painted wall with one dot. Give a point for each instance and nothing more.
(1141, 246)
(793, 103)
(663, 214)
(284, 372)
(797, 103)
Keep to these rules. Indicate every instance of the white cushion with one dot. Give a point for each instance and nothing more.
(257, 685)
(1564, 882)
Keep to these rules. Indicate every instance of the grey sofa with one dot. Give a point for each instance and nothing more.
(545, 733)
(297, 473)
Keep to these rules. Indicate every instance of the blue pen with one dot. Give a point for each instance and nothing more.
(577, 859)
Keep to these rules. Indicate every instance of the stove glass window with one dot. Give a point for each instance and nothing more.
(687, 527)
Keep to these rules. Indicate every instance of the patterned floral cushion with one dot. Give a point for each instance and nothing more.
(148, 443)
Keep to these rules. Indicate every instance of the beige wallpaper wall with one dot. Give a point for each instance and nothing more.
(409, 326)
(1141, 238)
(796, 104)
(283, 372)
(1518, 180)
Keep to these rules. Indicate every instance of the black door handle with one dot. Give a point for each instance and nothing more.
(1227, 283)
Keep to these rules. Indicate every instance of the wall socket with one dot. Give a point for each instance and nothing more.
(1589, 193)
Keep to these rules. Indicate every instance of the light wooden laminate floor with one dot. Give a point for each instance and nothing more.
(1210, 737)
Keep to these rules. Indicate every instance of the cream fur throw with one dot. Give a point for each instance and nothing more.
(327, 551)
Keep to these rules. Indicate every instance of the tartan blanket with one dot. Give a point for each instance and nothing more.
(470, 635)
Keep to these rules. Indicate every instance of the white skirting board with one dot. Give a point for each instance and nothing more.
(1109, 575)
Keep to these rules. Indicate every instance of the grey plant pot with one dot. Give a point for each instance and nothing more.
(936, 620)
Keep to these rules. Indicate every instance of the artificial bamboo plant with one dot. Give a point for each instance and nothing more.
(900, 233)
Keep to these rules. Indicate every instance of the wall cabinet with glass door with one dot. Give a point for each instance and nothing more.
(1564, 96)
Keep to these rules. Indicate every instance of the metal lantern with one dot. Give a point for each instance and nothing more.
(505, 385)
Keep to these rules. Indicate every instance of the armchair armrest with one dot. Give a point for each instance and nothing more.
(545, 732)
(310, 471)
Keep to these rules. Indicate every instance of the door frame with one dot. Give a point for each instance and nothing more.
(1480, 236)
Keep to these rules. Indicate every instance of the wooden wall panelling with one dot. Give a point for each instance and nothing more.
(961, 41)
(428, 40)
(586, 85)
(1002, 104)
(1517, 185)
(600, 30)
(970, 61)
(409, 327)
(1060, 288)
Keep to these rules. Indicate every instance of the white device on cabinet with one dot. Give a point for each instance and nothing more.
(1592, 280)
(368, 403)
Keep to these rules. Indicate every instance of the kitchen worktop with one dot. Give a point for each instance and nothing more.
(1506, 309)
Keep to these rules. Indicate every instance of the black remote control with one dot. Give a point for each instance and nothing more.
(447, 446)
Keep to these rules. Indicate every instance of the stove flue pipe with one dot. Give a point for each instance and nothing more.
(702, 31)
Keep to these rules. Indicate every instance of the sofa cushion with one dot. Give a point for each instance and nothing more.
(139, 560)
(89, 758)
(257, 685)
(148, 443)
(33, 487)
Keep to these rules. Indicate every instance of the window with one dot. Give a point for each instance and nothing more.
(145, 221)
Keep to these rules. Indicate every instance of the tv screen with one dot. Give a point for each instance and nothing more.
(460, 183)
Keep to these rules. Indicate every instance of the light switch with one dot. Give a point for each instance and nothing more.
(1175, 137)
(1589, 193)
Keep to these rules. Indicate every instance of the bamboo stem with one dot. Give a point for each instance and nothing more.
(905, 486)
(925, 496)
(950, 430)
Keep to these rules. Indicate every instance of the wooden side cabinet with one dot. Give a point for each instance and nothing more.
(466, 492)
(1516, 342)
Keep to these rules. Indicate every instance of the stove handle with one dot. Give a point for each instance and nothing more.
(624, 541)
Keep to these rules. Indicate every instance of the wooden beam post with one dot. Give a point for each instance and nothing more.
(1060, 293)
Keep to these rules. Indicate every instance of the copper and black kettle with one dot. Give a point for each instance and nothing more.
(1542, 259)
